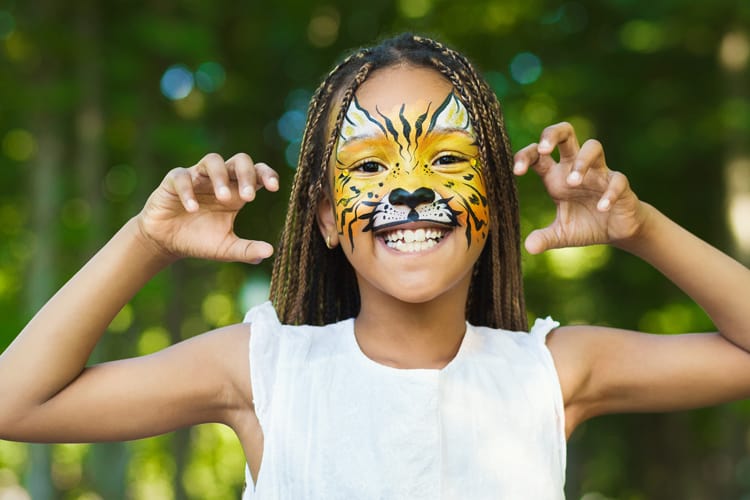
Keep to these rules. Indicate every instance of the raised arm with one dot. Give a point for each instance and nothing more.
(47, 394)
(605, 370)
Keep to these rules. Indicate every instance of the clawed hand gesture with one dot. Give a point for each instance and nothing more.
(192, 212)
(594, 204)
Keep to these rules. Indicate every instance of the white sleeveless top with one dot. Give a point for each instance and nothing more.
(338, 425)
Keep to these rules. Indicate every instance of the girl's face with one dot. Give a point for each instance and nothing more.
(409, 200)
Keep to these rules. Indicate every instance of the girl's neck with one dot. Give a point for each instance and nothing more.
(408, 335)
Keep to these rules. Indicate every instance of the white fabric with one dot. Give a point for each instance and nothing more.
(338, 425)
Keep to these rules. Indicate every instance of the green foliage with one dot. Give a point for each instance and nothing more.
(654, 81)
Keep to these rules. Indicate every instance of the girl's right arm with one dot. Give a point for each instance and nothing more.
(47, 393)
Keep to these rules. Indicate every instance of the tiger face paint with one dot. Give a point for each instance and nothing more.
(410, 175)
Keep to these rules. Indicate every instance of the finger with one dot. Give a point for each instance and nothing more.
(618, 184)
(562, 136)
(213, 166)
(590, 156)
(266, 177)
(540, 240)
(241, 250)
(243, 169)
(525, 158)
(182, 185)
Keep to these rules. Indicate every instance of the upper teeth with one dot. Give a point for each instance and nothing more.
(413, 241)
(409, 236)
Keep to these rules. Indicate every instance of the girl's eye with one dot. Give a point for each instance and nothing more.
(448, 160)
(369, 167)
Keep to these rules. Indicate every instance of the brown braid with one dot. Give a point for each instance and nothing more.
(314, 285)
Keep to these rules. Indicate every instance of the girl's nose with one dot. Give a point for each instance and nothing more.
(411, 199)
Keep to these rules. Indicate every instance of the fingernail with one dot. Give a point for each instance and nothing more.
(273, 182)
(247, 191)
(603, 204)
(191, 205)
(545, 144)
(223, 192)
(574, 177)
(518, 167)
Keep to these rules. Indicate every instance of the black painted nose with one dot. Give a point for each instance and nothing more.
(412, 200)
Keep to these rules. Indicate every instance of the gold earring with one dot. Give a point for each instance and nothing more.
(328, 242)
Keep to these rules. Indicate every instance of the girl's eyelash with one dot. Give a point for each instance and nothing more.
(368, 167)
(449, 159)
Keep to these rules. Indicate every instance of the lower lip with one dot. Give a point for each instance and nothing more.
(419, 252)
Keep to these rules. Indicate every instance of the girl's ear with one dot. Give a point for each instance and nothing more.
(327, 222)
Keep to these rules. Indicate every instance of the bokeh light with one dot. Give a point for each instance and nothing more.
(218, 309)
(414, 8)
(577, 262)
(255, 290)
(123, 320)
(210, 76)
(177, 82)
(323, 29)
(642, 36)
(19, 145)
(120, 182)
(291, 125)
(734, 50)
(153, 339)
(526, 68)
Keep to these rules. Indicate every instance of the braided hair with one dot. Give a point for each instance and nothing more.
(314, 285)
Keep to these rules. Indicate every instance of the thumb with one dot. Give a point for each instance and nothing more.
(543, 239)
(251, 251)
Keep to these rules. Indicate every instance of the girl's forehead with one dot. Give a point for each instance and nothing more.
(410, 86)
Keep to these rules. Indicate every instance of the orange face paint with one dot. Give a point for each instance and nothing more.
(417, 165)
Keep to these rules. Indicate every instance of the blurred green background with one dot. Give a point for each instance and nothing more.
(99, 99)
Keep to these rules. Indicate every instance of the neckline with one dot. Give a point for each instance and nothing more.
(365, 359)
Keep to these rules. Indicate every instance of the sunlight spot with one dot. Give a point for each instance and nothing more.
(210, 76)
(153, 339)
(192, 106)
(323, 28)
(177, 82)
(217, 309)
(577, 262)
(123, 320)
(414, 8)
(526, 68)
(734, 51)
(642, 36)
(19, 145)
(254, 291)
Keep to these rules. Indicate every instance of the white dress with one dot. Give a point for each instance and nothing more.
(338, 425)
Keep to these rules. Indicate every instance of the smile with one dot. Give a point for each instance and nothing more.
(416, 240)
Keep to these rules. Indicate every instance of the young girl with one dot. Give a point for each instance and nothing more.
(411, 377)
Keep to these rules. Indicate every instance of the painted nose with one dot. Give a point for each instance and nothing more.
(412, 200)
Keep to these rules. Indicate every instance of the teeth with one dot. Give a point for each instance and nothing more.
(408, 240)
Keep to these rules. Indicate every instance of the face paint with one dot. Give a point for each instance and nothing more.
(409, 165)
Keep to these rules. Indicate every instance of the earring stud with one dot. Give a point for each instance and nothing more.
(328, 242)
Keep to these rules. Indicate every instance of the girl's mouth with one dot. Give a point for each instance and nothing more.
(413, 240)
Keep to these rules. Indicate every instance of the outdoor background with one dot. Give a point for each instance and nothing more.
(98, 100)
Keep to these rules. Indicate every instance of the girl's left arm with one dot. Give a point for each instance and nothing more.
(606, 370)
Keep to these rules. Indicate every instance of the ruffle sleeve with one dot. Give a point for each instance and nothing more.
(265, 329)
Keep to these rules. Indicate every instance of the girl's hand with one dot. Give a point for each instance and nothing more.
(192, 212)
(594, 204)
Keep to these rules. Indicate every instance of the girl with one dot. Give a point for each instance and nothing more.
(402, 246)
